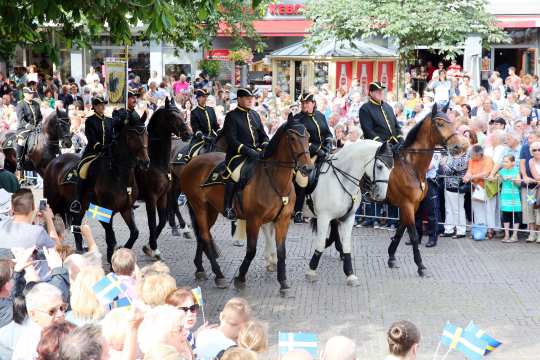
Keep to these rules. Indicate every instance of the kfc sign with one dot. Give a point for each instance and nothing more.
(285, 9)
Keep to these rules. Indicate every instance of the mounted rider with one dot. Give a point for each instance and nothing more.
(204, 124)
(320, 146)
(28, 119)
(377, 117)
(246, 140)
(100, 132)
(129, 115)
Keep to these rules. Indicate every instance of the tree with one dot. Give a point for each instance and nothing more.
(182, 23)
(440, 25)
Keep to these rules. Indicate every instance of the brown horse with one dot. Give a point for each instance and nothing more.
(114, 185)
(268, 197)
(407, 185)
(154, 182)
(53, 134)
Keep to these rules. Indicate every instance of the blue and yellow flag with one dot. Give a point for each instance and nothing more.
(99, 213)
(108, 288)
(479, 333)
(463, 341)
(197, 293)
(294, 341)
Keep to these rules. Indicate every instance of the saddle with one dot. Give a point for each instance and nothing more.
(9, 141)
(180, 157)
(313, 177)
(219, 175)
(71, 176)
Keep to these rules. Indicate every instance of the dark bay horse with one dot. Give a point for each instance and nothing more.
(52, 135)
(407, 185)
(115, 187)
(154, 182)
(268, 197)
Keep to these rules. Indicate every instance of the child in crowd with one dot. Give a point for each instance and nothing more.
(510, 198)
(123, 265)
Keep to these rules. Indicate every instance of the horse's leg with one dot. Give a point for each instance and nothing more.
(323, 222)
(76, 221)
(281, 236)
(129, 219)
(270, 254)
(110, 238)
(411, 229)
(162, 215)
(252, 232)
(151, 217)
(394, 245)
(345, 230)
(171, 212)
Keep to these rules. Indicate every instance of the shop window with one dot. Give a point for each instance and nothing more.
(283, 76)
(321, 74)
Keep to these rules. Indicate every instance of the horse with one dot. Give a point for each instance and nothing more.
(48, 138)
(362, 167)
(154, 182)
(115, 187)
(268, 196)
(407, 186)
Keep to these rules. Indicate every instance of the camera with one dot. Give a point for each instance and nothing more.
(42, 204)
(75, 229)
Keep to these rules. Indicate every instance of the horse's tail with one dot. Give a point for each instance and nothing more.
(313, 223)
(334, 236)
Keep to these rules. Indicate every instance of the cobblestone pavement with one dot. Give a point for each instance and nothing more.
(497, 285)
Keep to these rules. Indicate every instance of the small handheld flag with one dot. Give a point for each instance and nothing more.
(99, 213)
(120, 303)
(108, 288)
(479, 333)
(293, 341)
(197, 294)
(465, 342)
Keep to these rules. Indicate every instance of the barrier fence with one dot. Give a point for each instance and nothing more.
(467, 205)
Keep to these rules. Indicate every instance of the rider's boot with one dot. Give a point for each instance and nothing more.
(299, 204)
(228, 211)
(76, 206)
(20, 149)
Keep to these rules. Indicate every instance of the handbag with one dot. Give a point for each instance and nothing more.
(491, 187)
(479, 194)
(479, 232)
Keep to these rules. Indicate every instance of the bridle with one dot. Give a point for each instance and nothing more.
(434, 127)
(368, 185)
(295, 156)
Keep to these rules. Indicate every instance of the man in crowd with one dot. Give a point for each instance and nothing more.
(246, 139)
(28, 117)
(320, 145)
(8, 181)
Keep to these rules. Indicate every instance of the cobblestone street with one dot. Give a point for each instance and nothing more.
(497, 285)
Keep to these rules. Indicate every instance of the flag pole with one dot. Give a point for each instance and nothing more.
(203, 317)
(446, 355)
(437, 350)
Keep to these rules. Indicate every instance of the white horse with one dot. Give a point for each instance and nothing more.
(336, 198)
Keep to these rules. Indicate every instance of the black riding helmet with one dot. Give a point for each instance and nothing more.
(96, 100)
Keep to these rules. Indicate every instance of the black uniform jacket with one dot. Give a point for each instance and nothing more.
(99, 131)
(378, 122)
(204, 121)
(320, 135)
(28, 113)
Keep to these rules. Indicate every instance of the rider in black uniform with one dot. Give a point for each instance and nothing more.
(100, 133)
(246, 139)
(320, 143)
(28, 118)
(204, 123)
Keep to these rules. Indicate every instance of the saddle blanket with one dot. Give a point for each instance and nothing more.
(181, 156)
(216, 176)
(71, 177)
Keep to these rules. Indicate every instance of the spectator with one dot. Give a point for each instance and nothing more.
(163, 327)
(123, 264)
(233, 318)
(115, 329)
(442, 88)
(403, 339)
(8, 114)
(8, 181)
(534, 167)
(85, 306)
(45, 307)
(297, 355)
(253, 337)
(6, 286)
(237, 353)
(84, 343)
(51, 337)
(509, 198)
(339, 348)
(454, 168)
(155, 287)
(184, 300)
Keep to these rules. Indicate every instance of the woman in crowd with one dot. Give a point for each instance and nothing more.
(403, 340)
(454, 168)
(442, 88)
(85, 306)
(51, 337)
(533, 211)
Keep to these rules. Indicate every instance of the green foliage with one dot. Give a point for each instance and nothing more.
(183, 23)
(211, 67)
(441, 25)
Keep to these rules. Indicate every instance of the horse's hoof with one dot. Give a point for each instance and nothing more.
(341, 256)
(352, 280)
(239, 284)
(221, 283)
(311, 275)
(187, 235)
(285, 290)
(423, 272)
(238, 243)
(271, 267)
(392, 264)
(422, 267)
(175, 232)
(154, 254)
(201, 276)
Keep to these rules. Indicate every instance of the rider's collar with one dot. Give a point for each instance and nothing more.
(202, 107)
(101, 116)
(242, 108)
(309, 114)
(28, 102)
(373, 101)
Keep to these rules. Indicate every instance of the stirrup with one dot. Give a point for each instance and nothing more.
(229, 214)
(75, 207)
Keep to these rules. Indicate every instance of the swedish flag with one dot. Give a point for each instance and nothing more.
(108, 288)
(197, 293)
(99, 213)
(479, 333)
(463, 341)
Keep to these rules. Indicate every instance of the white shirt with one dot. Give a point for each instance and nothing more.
(210, 342)
(26, 347)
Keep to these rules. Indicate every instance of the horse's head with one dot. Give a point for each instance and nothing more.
(174, 121)
(383, 162)
(298, 139)
(135, 139)
(446, 131)
(58, 127)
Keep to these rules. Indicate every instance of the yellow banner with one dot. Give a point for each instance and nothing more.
(116, 82)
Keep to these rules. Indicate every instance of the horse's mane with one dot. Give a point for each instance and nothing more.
(413, 133)
(152, 123)
(273, 144)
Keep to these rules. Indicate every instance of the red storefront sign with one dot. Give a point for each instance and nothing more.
(343, 74)
(285, 9)
(217, 54)
(386, 74)
(364, 74)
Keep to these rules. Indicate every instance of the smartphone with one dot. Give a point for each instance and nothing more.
(42, 204)
(75, 229)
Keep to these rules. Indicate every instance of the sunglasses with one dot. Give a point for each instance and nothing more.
(63, 308)
(535, 150)
(193, 308)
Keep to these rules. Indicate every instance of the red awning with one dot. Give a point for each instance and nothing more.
(276, 27)
(518, 21)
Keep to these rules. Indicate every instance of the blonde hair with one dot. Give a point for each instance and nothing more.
(155, 287)
(238, 353)
(157, 326)
(238, 306)
(115, 325)
(123, 262)
(253, 337)
(84, 302)
(163, 352)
